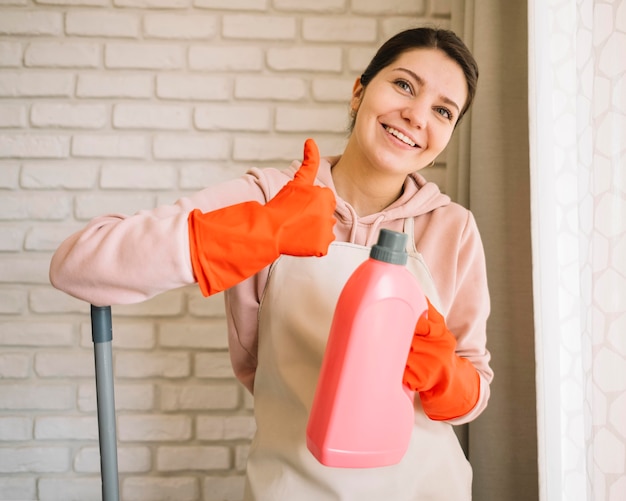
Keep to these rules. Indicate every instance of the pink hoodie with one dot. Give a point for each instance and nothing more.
(118, 259)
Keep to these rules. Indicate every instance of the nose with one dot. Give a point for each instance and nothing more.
(416, 112)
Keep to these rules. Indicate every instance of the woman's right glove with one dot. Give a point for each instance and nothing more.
(448, 385)
(231, 244)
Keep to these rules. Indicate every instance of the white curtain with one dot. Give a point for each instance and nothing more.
(577, 113)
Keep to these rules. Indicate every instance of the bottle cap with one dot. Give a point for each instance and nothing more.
(391, 247)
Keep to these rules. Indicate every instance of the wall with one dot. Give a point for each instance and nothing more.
(123, 105)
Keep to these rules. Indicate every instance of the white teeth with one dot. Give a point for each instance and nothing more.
(400, 136)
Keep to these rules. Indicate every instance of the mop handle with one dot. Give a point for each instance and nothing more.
(102, 335)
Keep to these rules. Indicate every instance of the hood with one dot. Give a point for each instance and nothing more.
(418, 197)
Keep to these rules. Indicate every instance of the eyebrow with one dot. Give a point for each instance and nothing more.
(420, 81)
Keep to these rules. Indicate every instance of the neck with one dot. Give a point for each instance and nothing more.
(367, 190)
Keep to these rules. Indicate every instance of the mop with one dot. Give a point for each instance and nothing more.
(102, 335)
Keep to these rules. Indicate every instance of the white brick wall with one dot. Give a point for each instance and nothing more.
(119, 106)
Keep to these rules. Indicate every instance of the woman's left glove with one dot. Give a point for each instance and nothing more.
(448, 385)
(231, 244)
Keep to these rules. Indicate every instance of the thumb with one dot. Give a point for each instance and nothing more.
(308, 170)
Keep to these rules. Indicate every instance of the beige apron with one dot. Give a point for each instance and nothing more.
(294, 321)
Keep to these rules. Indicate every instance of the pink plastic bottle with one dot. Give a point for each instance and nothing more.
(362, 414)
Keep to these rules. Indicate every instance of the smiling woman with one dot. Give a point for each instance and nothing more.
(282, 243)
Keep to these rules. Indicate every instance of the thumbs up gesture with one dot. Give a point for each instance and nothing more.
(231, 244)
(304, 211)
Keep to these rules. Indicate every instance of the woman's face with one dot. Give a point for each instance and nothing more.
(407, 113)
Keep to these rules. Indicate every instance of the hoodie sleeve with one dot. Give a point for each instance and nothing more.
(120, 259)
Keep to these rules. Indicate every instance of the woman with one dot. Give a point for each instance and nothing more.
(405, 107)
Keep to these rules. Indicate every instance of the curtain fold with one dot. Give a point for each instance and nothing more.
(488, 172)
(577, 110)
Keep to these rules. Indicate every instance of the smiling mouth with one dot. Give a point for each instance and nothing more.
(397, 134)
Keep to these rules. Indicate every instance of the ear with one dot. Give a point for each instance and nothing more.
(357, 95)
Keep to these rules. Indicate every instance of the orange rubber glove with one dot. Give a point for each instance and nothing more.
(448, 385)
(231, 244)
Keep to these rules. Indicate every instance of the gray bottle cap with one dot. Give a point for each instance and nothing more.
(391, 247)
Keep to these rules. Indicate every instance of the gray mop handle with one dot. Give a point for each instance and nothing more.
(102, 335)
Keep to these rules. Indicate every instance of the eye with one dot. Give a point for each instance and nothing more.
(444, 112)
(404, 85)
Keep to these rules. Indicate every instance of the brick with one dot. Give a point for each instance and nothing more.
(339, 29)
(33, 146)
(305, 59)
(36, 84)
(199, 176)
(128, 397)
(70, 489)
(164, 305)
(335, 119)
(102, 24)
(151, 116)
(11, 238)
(262, 27)
(13, 115)
(10, 54)
(66, 428)
(232, 117)
(74, 176)
(25, 269)
(232, 4)
(157, 489)
(62, 55)
(21, 488)
(49, 300)
(89, 3)
(375, 7)
(12, 301)
(192, 458)
(333, 89)
(270, 88)
(45, 207)
(36, 397)
(14, 365)
(188, 147)
(217, 428)
(230, 488)
(90, 206)
(200, 306)
(225, 58)
(325, 6)
(154, 428)
(33, 333)
(80, 116)
(213, 365)
(199, 397)
(153, 4)
(129, 460)
(45, 238)
(145, 56)
(359, 58)
(14, 22)
(65, 365)
(15, 428)
(144, 365)
(120, 86)
(180, 26)
(34, 460)
(128, 176)
(9, 175)
(262, 148)
(193, 87)
(241, 457)
(109, 146)
(204, 335)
